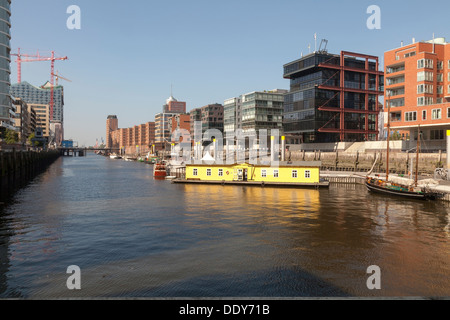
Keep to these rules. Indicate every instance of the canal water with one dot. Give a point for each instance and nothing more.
(133, 236)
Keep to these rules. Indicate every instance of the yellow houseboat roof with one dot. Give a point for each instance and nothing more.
(293, 164)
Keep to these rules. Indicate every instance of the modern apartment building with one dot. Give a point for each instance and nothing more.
(212, 117)
(25, 120)
(418, 91)
(231, 109)
(332, 98)
(6, 107)
(254, 111)
(42, 118)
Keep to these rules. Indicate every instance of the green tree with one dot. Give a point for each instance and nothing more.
(395, 136)
(11, 136)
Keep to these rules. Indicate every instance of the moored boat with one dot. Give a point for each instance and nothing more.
(160, 170)
(396, 189)
(400, 187)
(115, 156)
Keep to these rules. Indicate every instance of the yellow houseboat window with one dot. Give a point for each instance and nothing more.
(220, 172)
(195, 172)
(308, 174)
(208, 172)
(263, 173)
(275, 173)
(294, 174)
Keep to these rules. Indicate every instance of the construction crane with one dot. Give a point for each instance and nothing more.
(38, 57)
(58, 76)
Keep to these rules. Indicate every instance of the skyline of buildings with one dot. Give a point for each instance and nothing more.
(336, 98)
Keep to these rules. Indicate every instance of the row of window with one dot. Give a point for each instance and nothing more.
(294, 173)
(436, 114)
(425, 76)
(428, 63)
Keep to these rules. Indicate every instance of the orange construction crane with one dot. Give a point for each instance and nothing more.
(38, 57)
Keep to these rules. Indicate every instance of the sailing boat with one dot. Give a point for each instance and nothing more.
(396, 185)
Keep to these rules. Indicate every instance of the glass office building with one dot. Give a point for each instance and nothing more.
(255, 111)
(332, 98)
(6, 110)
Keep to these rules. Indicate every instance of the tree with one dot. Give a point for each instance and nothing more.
(11, 137)
(395, 136)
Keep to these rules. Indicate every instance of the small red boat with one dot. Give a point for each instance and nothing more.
(159, 170)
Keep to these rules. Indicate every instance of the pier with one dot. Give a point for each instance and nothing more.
(18, 167)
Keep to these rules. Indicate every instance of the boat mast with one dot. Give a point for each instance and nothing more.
(417, 155)
(388, 134)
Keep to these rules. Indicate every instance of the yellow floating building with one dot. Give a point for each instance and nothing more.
(296, 174)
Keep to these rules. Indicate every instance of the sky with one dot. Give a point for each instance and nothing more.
(129, 54)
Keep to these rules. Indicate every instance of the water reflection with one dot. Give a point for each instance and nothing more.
(134, 236)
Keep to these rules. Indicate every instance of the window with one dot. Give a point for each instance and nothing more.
(411, 116)
(220, 172)
(436, 114)
(307, 174)
(425, 63)
(425, 101)
(424, 76)
(440, 89)
(275, 173)
(425, 88)
(440, 77)
(449, 64)
(208, 172)
(440, 65)
(294, 174)
(195, 172)
(263, 173)
(424, 114)
(448, 112)
(448, 76)
(436, 134)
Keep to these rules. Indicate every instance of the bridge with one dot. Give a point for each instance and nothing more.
(81, 152)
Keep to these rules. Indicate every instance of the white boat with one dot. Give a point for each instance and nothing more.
(115, 156)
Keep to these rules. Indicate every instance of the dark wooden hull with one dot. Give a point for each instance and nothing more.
(405, 194)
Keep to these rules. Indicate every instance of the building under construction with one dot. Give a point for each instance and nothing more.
(332, 98)
(40, 98)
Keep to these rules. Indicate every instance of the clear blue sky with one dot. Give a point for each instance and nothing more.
(127, 54)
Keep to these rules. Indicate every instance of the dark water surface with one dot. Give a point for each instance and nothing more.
(133, 236)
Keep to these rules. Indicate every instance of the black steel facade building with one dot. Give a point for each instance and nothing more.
(332, 98)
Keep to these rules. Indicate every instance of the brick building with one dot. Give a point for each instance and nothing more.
(135, 140)
(418, 91)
